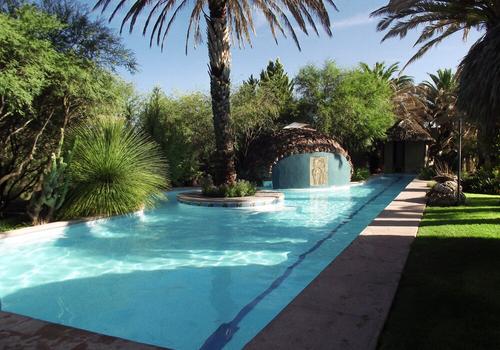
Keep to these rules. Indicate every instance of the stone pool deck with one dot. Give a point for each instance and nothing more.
(24, 333)
(346, 306)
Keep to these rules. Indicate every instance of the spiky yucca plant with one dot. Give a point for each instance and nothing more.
(115, 170)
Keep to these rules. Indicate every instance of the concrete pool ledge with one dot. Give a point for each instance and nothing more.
(346, 305)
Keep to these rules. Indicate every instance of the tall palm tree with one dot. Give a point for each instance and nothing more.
(478, 89)
(225, 19)
(440, 96)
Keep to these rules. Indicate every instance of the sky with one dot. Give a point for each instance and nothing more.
(354, 40)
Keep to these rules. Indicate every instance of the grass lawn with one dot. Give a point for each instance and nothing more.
(449, 295)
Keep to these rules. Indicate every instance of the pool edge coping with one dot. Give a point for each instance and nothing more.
(64, 223)
(366, 277)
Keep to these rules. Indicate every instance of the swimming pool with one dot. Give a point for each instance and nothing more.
(186, 277)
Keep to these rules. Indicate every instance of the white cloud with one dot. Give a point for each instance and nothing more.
(356, 20)
(360, 19)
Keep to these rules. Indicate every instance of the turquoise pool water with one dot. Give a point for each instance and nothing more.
(186, 277)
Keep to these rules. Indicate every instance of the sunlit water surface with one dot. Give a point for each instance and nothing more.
(186, 277)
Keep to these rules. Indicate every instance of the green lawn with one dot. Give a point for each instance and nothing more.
(449, 295)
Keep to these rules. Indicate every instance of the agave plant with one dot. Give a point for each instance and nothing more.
(115, 170)
(224, 19)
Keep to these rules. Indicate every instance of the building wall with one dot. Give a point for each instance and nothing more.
(415, 153)
(295, 171)
(388, 157)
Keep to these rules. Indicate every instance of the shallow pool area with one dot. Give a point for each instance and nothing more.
(186, 277)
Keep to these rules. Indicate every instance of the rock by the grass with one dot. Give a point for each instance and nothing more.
(444, 194)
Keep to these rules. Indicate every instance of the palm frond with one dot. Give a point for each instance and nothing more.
(438, 18)
(479, 77)
(278, 14)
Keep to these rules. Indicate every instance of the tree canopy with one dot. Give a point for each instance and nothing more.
(352, 106)
(44, 89)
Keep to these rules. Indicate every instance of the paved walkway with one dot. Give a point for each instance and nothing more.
(345, 307)
(24, 333)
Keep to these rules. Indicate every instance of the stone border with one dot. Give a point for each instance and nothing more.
(21, 332)
(346, 305)
(261, 198)
(44, 227)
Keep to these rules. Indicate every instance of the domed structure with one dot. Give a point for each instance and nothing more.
(297, 157)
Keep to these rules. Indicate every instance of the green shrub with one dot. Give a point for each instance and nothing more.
(240, 188)
(360, 174)
(482, 181)
(182, 127)
(115, 170)
(427, 173)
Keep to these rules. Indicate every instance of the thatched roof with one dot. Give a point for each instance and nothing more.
(269, 149)
(408, 129)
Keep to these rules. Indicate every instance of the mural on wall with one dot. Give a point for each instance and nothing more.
(318, 171)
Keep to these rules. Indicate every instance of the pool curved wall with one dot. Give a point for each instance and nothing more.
(296, 171)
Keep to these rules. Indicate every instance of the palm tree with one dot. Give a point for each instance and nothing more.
(391, 74)
(478, 90)
(225, 18)
(440, 96)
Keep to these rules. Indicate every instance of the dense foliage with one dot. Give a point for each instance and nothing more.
(353, 106)
(182, 126)
(240, 188)
(360, 174)
(52, 76)
(261, 106)
(485, 181)
(115, 170)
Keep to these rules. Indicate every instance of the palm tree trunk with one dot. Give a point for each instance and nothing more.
(219, 70)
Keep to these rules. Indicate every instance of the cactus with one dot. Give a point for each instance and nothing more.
(53, 187)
